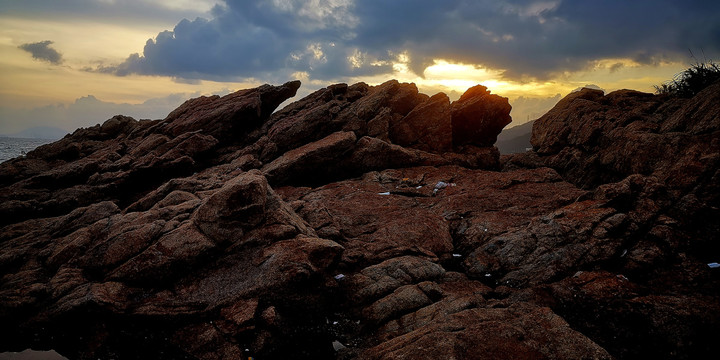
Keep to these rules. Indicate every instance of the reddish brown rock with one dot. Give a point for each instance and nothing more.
(230, 115)
(404, 299)
(123, 157)
(375, 154)
(478, 117)
(427, 127)
(348, 225)
(575, 136)
(379, 280)
(340, 107)
(312, 162)
(636, 140)
(310, 119)
(517, 332)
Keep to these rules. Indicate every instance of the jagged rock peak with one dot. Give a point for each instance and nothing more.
(229, 115)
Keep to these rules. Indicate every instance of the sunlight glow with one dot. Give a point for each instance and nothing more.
(458, 77)
(530, 99)
(92, 46)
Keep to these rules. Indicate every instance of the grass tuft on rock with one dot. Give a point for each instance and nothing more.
(692, 80)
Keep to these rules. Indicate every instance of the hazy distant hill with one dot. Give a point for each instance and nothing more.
(40, 132)
(515, 139)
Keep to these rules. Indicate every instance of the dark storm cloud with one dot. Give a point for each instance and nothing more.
(42, 51)
(260, 38)
(123, 12)
(338, 38)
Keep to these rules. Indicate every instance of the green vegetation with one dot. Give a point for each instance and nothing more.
(691, 81)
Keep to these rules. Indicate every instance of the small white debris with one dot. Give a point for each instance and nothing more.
(577, 274)
(338, 345)
(335, 322)
(384, 193)
(441, 185)
(714, 265)
(418, 187)
(623, 253)
(457, 255)
(485, 229)
(622, 277)
(488, 274)
(339, 276)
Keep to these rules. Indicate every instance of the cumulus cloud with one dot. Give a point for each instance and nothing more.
(42, 51)
(331, 39)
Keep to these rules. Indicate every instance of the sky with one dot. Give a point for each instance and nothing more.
(76, 63)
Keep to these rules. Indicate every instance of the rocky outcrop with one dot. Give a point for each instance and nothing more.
(478, 117)
(369, 222)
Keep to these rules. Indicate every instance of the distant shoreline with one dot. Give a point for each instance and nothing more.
(13, 147)
(38, 132)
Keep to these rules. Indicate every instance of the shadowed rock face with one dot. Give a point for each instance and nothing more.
(369, 222)
(478, 117)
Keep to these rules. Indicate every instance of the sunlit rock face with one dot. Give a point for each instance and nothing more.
(369, 222)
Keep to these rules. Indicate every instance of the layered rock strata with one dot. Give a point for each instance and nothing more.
(369, 222)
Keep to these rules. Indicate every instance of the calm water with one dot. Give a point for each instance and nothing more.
(14, 147)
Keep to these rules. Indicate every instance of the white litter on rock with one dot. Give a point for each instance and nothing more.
(338, 345)
(339, 276)
(714, 265)
(441, 185)
(457, 255)
(418, 187)
(384, 193)
(488, 275)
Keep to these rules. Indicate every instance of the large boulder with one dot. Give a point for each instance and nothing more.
(478, 117)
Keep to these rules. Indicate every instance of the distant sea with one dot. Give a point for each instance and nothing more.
(14, 147)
